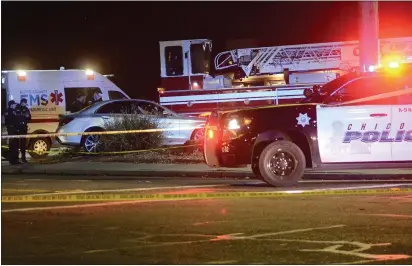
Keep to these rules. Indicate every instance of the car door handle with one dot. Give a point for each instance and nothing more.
(378, 115)
(105, 117)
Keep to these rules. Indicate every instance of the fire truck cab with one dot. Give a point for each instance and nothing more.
(185, 65)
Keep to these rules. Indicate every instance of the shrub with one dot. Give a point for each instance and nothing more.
(131, 141)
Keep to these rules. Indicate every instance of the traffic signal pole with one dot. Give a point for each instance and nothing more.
(369, 35)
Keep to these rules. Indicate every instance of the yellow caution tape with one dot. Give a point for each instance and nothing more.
(31, 136)
(159, 197)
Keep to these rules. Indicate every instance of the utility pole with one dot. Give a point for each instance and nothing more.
(369, 36)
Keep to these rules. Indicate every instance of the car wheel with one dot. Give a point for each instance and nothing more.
(39, 148)
(282, 163)
(196, 138)
(256, 171)
(198, 135)
(91, 143)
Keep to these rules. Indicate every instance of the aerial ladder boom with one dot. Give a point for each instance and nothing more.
(304, 58)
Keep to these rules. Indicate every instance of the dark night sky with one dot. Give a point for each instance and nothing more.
(122, 38)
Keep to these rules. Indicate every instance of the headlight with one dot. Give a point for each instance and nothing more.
(235, 123)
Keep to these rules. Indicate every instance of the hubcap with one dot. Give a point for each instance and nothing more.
(91, 143)
(40, 146)
(199, 135)
(282, 164)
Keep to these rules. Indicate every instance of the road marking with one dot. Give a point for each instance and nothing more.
(365, 187)
(355, 181)
(388, 215)
(92, 205)
(23, 190)
(254, 237)
(222, 262)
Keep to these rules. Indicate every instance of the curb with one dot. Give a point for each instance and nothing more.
(146, 173)
(198, 174)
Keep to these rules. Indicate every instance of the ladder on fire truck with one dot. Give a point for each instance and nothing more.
(306, 57)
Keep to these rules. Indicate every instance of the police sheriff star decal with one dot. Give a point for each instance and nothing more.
(303, 119)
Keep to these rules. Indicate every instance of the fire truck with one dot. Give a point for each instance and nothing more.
(253, 77)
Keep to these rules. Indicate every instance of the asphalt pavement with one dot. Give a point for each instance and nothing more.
(360, 229)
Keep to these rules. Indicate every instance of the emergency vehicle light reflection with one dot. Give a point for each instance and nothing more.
(210, 134)
(393, 65)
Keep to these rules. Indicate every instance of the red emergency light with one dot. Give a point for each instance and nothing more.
(21, 75)
(90, 74)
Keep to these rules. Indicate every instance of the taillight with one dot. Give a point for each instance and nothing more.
(65, 121)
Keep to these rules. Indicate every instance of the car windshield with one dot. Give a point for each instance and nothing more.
(329, 87)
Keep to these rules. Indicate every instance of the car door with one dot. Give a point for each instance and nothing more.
(402, 124)
(165, 120)
(350, 127)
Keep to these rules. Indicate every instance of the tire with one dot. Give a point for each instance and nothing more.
(256, 171)
(196, 138)
(88, 142)
(39, 148)
(198, 135)
(293, 158)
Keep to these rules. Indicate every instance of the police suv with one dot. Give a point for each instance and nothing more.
(359, 120)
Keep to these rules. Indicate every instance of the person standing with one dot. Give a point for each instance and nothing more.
(24, 118)
(79, 103)
(11, 121)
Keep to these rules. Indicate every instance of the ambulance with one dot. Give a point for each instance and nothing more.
(51, 93)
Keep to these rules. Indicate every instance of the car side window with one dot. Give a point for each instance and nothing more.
(114, 108)
(366, 87)
(404, 98)
(150, 108)
(358, 89)
(405, 84)
(396, 85)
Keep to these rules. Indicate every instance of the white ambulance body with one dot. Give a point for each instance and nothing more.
(51, 93)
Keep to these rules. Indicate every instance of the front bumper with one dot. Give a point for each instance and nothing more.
(229, 153)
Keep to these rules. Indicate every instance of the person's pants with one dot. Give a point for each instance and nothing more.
(22, 146)
(13, 148)
(22, 142)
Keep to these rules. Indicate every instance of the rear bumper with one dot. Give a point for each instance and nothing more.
(68, 140)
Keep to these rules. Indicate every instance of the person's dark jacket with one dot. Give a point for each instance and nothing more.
(22, 118)
(76, 106)
(10, 118)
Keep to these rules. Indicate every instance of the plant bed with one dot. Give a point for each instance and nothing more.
(161, 156)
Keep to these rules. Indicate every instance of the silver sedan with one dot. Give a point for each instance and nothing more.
(94, 118)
